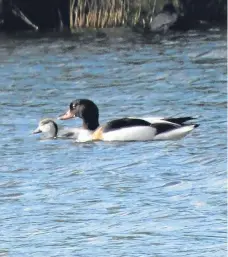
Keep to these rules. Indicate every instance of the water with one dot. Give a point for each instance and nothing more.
(61, 198)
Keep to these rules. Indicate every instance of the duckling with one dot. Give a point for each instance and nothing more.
(164, 19)
(127, 129)
(51, 130)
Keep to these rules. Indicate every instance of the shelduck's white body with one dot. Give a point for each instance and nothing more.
(126, 129)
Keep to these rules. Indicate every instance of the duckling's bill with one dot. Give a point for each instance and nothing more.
(36, 131)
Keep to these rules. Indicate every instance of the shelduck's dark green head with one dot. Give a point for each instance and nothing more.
(85, 109)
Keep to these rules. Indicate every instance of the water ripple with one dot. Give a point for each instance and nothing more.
(59, 197)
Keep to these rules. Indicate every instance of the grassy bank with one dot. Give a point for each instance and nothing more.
(113, 13)
(73, 14)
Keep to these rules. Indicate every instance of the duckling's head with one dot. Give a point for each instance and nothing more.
(85, 109)
(47, 126)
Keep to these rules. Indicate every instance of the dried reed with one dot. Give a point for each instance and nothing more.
(106, 13)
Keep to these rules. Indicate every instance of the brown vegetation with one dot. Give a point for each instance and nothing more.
(72, 14)
(113, 13)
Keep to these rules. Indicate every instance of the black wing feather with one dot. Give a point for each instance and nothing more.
(162, 127)
(124, 123)
(132, 122)
(179, 121)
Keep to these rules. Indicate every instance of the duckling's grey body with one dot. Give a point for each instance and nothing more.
(51, 130)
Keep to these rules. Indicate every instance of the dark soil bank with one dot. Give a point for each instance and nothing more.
(147, 15)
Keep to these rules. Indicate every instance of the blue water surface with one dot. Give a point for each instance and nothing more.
(62, 198)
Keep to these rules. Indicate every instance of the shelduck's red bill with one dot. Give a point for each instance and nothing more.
(66, 116)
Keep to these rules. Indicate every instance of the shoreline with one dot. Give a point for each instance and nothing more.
(142, 16)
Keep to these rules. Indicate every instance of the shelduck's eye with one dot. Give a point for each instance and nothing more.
(73, 106)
